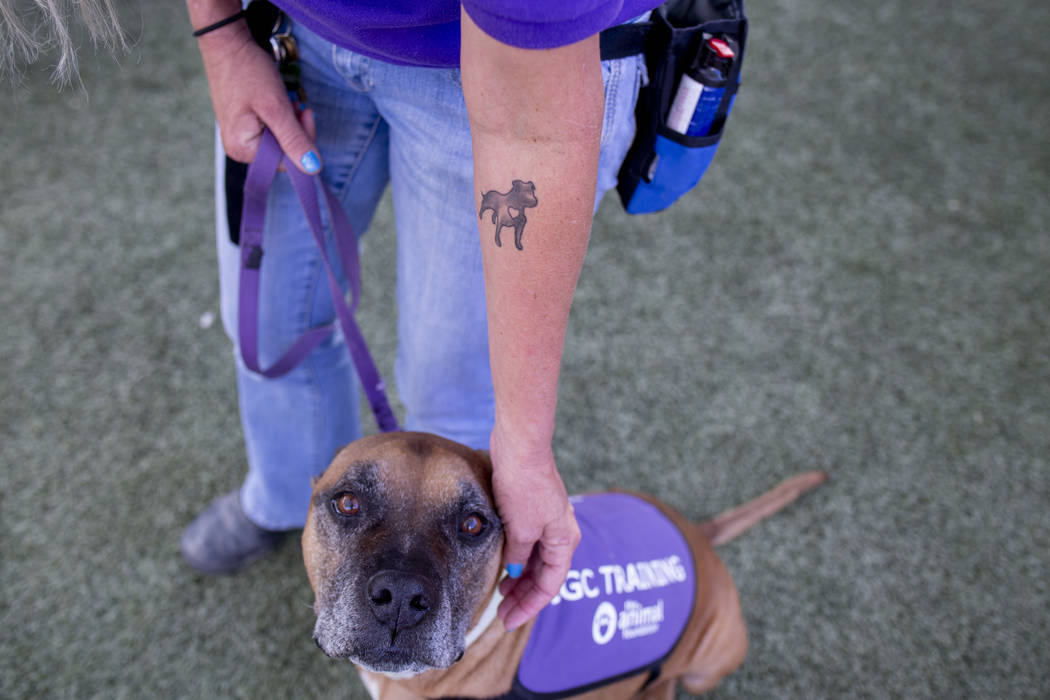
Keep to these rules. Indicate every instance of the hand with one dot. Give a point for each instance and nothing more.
(248, 94)
(539, 526)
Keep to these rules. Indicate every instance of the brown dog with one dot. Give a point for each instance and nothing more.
(403, 550)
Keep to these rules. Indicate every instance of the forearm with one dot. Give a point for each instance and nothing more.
(536, 117)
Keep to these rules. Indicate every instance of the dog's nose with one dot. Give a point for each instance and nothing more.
(399, 600)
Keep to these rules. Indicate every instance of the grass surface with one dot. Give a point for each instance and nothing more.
(859, 285)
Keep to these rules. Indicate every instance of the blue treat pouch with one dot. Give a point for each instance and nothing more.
(694, 53)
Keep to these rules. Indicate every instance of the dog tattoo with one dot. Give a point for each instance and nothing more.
(521, 195)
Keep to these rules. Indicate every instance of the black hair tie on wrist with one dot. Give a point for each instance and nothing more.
(221, 23)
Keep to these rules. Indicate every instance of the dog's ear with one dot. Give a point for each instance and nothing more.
(484, 466)
(486, 457)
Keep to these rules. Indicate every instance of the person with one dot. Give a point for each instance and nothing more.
(458, 107)
(31, 31)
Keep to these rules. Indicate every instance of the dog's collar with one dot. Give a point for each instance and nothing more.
(486, 618)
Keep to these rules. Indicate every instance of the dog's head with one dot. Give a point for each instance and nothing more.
(402, 546)
(522, 194)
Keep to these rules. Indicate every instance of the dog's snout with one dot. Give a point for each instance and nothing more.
(399, 600)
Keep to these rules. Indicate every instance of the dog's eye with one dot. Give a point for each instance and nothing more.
(346, 504)
(472, 525)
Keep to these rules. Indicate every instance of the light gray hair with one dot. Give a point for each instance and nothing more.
(30, 29)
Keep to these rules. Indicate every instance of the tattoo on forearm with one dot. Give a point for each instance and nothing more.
(521, 195)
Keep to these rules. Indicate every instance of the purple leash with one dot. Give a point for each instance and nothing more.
(256, 188)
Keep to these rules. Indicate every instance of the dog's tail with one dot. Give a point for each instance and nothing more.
(733, 522)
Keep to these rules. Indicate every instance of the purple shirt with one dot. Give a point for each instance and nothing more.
(418, 33)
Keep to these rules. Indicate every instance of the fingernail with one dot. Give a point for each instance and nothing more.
(311, 162)
(514, 570)
(512, 622)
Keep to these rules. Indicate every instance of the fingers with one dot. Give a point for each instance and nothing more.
(526, 596)
(547, 567)
(240, 136)
(277, 113)
(248, 95)
(517, 553)
(306, 119)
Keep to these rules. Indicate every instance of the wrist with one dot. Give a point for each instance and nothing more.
(206, 14)
(526, 397)
(215, 26)
(226, 44)
(523, 446)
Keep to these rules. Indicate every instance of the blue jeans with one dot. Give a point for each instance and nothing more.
(378, 123)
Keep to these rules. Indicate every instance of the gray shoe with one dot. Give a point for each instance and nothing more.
(223, 541)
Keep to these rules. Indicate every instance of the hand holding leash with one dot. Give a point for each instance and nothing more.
(248, 95)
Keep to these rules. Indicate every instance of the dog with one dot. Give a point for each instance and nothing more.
(403, 549)
(521, 195)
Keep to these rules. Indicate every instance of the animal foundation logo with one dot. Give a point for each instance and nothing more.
(635, 620)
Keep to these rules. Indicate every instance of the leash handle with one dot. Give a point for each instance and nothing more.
(258, 181)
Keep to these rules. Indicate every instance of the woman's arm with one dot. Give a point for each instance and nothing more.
(535, 117)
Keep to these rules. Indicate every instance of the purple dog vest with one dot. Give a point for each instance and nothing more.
(623, 607)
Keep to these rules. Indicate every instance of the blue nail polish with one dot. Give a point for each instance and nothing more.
(311, 162)
(514, 570)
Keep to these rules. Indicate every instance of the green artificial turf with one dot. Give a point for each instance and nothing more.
(860, 285)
